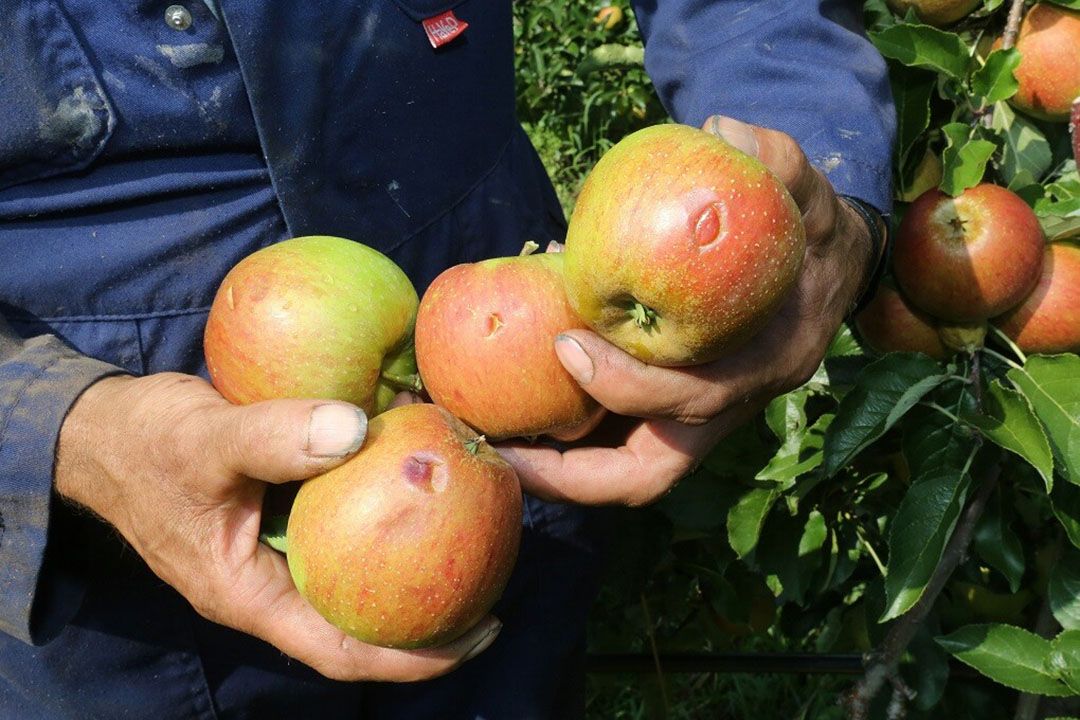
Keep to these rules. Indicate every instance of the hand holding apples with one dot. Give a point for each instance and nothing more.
(685, 410)
(181, 474)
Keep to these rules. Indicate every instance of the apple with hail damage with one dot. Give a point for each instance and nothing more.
(485, 346)
(681, 247)
(410, 542)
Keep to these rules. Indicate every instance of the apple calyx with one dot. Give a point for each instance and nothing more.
(643, 317)
(529, 248)
(473, 446)
(410, 382)
(963, 337)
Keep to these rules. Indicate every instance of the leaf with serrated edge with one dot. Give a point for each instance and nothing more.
(1008, 420)
(1008, 655)
(1063, 591)
(1052, 385)
(924, 46)
(884, 391)
(746, 518)
(940, 459)
(998, 545)
(1064, 660)
(994, 81)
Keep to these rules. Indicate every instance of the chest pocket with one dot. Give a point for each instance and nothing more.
(53, 109)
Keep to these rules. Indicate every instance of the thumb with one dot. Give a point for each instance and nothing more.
(285, 440)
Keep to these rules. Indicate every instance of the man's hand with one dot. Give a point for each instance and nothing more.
(180, 473)
(687, 410)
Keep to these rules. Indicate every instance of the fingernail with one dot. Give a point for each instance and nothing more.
(574, 358)
(735, 133)
(489, 634)
(336, 430)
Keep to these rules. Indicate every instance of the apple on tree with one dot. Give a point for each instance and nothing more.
(936, 12)
(314, 317)
(1049, 70)
(410, 542)
(889, 324)
(1048, 321)
(969, 258)
(485, 345)
(680, 247)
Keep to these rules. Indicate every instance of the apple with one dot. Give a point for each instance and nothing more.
(319, 317)
(411, 541)
(968, 258)
(609, 17)
(889, 324)
(1049, 71)
(1048, 321)
(485, 345)
(681, 247)
(935, 12)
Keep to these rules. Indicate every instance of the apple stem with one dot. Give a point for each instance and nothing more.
(411, 382)
(1074, 128)
(642, 316)
(473, 446)
(529, 248)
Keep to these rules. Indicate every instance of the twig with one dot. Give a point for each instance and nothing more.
(884, 665)
(1012, 25)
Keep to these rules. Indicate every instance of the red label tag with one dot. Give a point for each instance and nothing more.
(441, 29)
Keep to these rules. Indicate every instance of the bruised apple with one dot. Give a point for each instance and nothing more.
(410, 542)
(318, 317)
(1048, 321)
(485, 345)
(681, 247)
(889, 324)
(968, 258)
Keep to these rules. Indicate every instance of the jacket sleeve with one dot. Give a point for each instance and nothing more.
(801, 66)
(40, 379)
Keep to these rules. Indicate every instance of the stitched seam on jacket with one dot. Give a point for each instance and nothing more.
(20, 317)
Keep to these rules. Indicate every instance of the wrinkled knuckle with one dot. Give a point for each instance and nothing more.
(695, 411)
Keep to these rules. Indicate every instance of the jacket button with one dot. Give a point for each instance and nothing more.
(177, 17)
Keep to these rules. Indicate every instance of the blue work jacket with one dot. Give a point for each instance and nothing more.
(139, 160)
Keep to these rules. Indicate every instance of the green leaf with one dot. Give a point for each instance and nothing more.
(1052, 385)
(998, 545)
(1025, 148)
(1065, 501)
(1008, 655)
(272, 531)
(790, 552)
(1008, 420)
(964, 160)
(940, 458)
(786, 414)
(884, 391)
(924, 46)
(1063, 591)
(994, 81)
(746, 518)
(797, 458)
(911, 92)
(1064, 660)
(1074, 4)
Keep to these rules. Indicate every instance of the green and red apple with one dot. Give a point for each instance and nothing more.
(410, 542)
(936, 12)
(889, 324)
(1049, 70)
(681, 247)
(318, 317)
(968, 258)
(1048, 321)
(485, 345)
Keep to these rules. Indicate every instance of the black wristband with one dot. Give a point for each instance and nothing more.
(880, 250)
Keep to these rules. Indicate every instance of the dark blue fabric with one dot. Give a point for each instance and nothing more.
(138, 163)
(800, 66)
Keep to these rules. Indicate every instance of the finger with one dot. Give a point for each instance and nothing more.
(285, 440)
(779, 152)
(264, 602)
(627, 386)
(655, 455)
